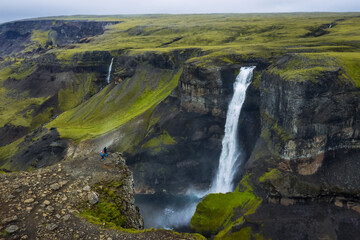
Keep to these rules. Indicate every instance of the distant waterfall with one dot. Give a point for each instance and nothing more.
(109, 73)
(230, 149)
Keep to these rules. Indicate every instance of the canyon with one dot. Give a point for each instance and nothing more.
(145, 88)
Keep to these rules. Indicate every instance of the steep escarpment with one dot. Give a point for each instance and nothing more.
(304, 163)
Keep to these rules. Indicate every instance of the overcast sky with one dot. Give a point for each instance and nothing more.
(20, 9)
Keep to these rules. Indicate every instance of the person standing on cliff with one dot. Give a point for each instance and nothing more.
(105, 152)
(102, 153)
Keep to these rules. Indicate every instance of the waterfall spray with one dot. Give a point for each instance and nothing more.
(230, 147)
(109, 72)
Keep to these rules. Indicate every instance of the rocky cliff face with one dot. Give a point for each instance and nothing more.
(311, 124)
(46, 203)
(304, 161)
(310, 140)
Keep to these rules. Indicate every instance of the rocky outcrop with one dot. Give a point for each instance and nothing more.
(39, 149)
(46, 203)
(56, 202)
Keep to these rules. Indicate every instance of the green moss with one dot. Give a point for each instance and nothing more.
(69, 98)
(271, 175)
(10, 150)
(106, 212)
(157, 143)
(40, 37)
(350, 61)
(109, 207)
(244, 234)
(17, 69)
(216, 211)
(41, 118)
(75, 93)
(306, 66)
(17, 108)
(256, 79)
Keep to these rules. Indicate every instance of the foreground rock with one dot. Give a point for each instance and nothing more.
(50, 203)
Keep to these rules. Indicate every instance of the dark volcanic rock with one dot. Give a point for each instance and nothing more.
(310, 134)
(41, 149)
(10, 133)
(306, 119)
(305, 221)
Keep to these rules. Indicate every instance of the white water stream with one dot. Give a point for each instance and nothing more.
(230, 146)
(109, 72)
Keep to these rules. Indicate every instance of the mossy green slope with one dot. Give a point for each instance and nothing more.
(17, 107)
(115, 105)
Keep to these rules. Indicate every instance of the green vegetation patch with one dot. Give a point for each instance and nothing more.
(274, 135)
(17, 108)
(42, 118)
(157, 143)
(306, 67)
(350, 62)
(310, 66)
(40, 37)
(273, 174)
(112, 107)
(109, 208)
(10, 150)
(216, 211)
(16, 68)
(76, 92)
(245, 233)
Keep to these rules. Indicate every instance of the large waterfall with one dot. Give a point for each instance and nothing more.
(109, 72)
(230, 149)
(178, 212)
